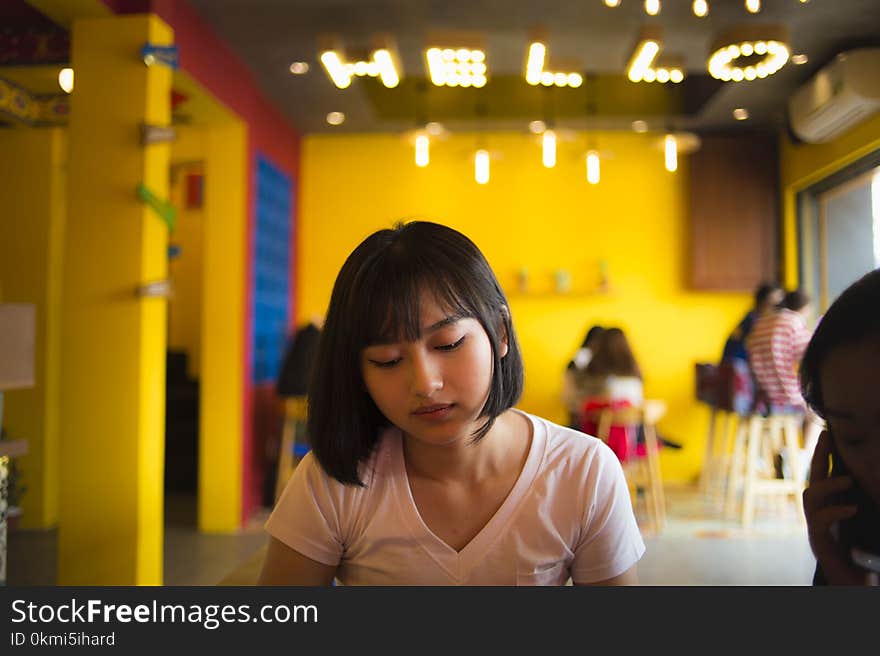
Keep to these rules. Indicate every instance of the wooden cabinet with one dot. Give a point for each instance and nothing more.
(734, 212)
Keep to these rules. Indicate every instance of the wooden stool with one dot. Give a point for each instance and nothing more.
(640, 472)
(293, 441)
(718, 453)
(758, 441)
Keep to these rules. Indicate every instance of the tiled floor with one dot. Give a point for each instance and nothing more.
(696, 547)
(699, 547)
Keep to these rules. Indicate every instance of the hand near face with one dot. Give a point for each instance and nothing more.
(822, 509)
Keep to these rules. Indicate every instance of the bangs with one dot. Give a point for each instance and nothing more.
(392, 313)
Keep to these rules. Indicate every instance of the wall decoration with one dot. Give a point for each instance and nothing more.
(162, 55)
(162, 208)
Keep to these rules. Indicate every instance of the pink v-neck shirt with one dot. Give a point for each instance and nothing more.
(569, 514)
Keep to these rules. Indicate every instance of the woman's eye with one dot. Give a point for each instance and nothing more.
(451, 347)
(385, 364)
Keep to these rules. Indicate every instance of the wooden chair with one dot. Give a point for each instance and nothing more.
(294, 444)
(640, 472)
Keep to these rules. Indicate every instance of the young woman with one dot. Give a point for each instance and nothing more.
(613, 379)
(421, 471)
(839, 381)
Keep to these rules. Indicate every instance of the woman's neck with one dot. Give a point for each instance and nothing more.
(506, 445)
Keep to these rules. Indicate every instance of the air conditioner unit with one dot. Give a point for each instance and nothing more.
(837, 97)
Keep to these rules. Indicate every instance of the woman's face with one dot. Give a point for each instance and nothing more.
(851, 397)
(433, 389)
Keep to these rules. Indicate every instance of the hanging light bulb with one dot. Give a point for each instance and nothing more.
(481, 166)
(422, 150)
(65, 79)
(548, 148)
(652, 7)
(753, 6)
(593, 167)
(701, 8)
(670, 148)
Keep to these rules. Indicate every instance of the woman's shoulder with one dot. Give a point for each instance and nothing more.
(567, 444)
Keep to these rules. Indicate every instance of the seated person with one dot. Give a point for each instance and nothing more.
(612, 379)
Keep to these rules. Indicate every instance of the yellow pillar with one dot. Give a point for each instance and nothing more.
(221, 417)
(32, 163)
(113, 342)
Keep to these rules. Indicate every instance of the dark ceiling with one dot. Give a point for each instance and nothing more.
(596, 40)
(270, 34)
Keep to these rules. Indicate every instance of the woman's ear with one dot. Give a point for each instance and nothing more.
(505, 319)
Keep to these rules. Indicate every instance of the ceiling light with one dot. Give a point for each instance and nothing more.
(641, 60)
(422, 150)
(538, 69)
(65, 79)
(799, 59)
(435, 129)
(612, 3)
(537, 127)
(753, 6)
(481, 166)
(740, 113)
(548, 149)
(387, 70)
(639, 126)
(644, 65)
(535, 62)
(593, 167)
(701, 8)
(652, 7)
(670, 150)
(769, 42)
(383, 62)
(335, 118)
(299, 68)
(340, 76)
(675, 144)
(460, 65)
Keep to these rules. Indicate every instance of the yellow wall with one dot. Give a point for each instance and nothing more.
(32, 187)
(185, 271)
(805, 164)
(635, 219)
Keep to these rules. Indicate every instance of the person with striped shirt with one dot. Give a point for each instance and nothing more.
(775, 346)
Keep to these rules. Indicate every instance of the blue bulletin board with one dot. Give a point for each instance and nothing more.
(272, 266)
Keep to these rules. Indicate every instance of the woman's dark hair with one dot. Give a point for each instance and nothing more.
(762, 293)
(613, 355)
(591, 339)
(795, 300)
(852, 319)
(592, 335)
(375, 300)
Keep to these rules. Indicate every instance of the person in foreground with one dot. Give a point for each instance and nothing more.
(421, 471)
(839, 381)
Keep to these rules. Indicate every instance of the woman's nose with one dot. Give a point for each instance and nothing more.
(426, 376)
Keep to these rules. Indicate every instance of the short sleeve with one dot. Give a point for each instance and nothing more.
(306, 517)
(611, 542)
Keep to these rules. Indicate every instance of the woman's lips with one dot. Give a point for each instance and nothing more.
(434, 411)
